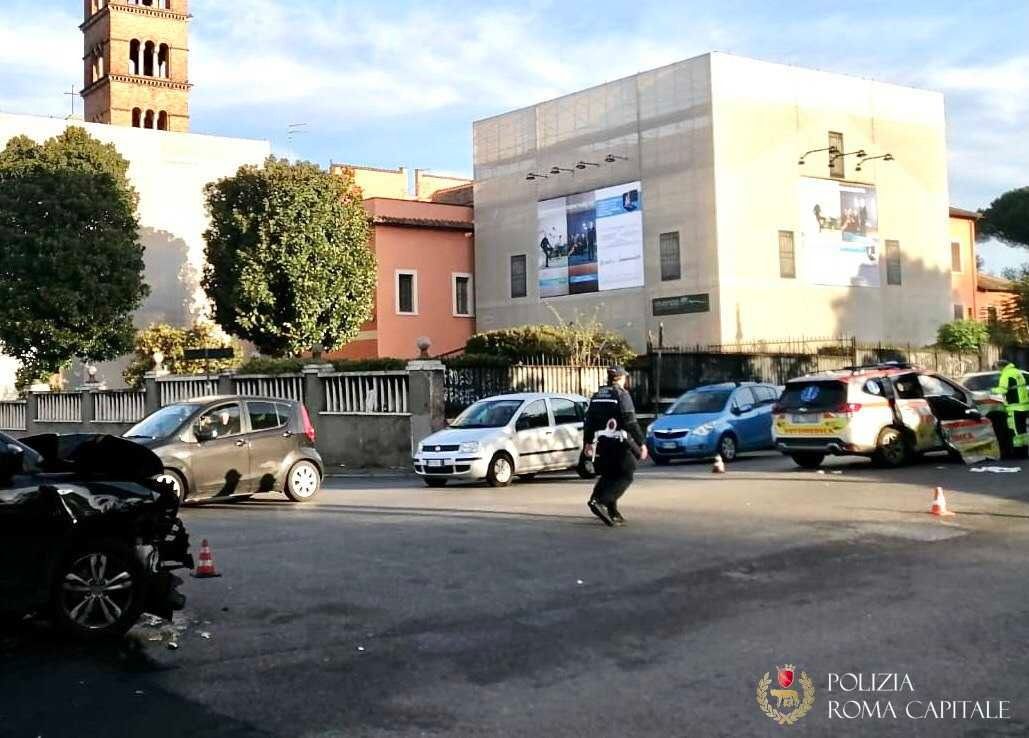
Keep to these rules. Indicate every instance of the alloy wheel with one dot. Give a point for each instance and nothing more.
(98, 590)
(727, 448)
(304, 480)
(502, 470)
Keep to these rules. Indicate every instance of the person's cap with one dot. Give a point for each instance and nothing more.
(616, 372)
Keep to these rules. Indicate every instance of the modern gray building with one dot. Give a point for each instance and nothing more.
(676, 199)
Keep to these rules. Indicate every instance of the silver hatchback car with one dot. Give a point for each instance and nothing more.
(502, 437)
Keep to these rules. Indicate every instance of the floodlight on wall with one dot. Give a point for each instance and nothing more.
(533, 175)
(833, 151)
(584, 164)
(884, 157)
(859, 153)
(612, 158)
(558, 170)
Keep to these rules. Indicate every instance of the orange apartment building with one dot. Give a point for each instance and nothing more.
(425, 248)
(975, 296)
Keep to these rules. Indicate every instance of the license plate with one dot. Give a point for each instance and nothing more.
(670, 445)
(435, 462)
(803, 419)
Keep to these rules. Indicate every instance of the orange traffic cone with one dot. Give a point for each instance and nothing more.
(939, 507)
(205, 563)
(719, 466)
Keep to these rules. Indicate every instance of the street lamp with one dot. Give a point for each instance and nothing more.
(612, 158)
(831, 149)
(533, 175)
(884, 157)
(558, 170)
(584, 164)
(859, 153)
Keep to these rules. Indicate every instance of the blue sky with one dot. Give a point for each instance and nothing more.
(399, 82)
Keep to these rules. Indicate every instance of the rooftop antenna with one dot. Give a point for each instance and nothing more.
(73, 94)
(293, 130)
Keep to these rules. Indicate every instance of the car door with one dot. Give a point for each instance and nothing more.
(745, 419)
(914, 413)
(29, 530)
(221, 459)
(960, 423)
(534, 435)
(766, 396)
(269, 441)
(568, 422)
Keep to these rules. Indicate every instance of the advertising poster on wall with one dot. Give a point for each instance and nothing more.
(590, 242)
(840, 233)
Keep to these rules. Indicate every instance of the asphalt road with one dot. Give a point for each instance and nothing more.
(388, 609)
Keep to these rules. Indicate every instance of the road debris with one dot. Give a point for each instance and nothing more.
(205, 635)
(998, 469)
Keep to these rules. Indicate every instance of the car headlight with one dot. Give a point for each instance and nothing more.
(469, 448)
(704, 430)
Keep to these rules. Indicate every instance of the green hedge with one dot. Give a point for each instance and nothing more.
(573, 343)
(488, 360)
(267, 365)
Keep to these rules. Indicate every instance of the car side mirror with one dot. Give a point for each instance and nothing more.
(741, 409)
(522, 424)
(973, 414)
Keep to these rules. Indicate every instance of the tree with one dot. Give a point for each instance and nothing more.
(288, 262)
(962, 335)
(1007, 219)
(71, 265)
(172, 342)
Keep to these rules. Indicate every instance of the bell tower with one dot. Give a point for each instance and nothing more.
(136, 63)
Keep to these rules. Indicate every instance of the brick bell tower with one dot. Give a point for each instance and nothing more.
(136, 63)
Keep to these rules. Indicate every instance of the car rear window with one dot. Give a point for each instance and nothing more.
(813, 395)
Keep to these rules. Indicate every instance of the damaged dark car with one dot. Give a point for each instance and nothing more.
(88, 537)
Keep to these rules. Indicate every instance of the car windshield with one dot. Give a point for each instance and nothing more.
(488, 414)
(162, 423)
(982, 382)
(694, 402)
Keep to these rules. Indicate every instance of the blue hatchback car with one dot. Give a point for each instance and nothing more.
(715, 419)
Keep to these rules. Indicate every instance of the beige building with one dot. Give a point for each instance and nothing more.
(169, 171)
(675, 200)
(396, 184)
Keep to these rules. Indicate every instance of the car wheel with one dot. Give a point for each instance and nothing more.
(727, 448)
(891, 448)
(172, 477)
(99, 591)
(501, 470)
(808, 459)
(661, 460)
(303, 481)
(434, 481)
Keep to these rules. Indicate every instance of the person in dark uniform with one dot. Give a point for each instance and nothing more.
(615, 441)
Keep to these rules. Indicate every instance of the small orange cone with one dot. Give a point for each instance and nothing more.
(719, 466)
(939, 507)
(205, 563)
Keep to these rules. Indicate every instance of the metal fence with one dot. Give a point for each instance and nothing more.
(13, 416)
(466, 385)
(118, 406)
(283, 387)
(59, 407)
(177, 389)
(366, 393)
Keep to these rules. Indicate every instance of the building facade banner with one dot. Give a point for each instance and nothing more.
(839, 233)
(591, 241)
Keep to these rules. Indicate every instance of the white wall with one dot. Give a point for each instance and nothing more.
(169, 171)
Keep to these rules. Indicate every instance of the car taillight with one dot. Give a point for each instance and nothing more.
(308, 428)
(849, 408)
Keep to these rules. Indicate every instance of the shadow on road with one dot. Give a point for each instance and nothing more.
(55, 687)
